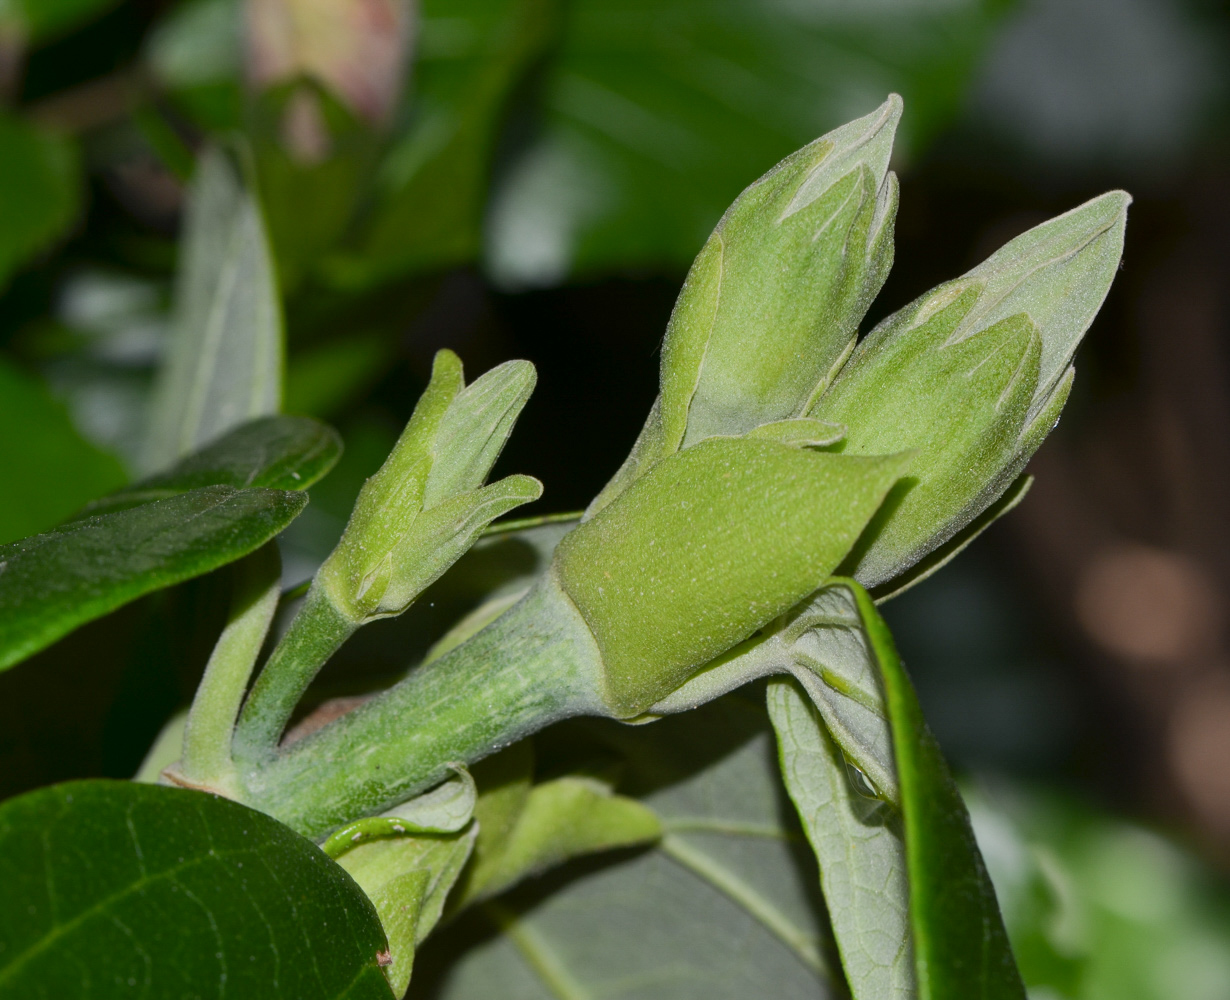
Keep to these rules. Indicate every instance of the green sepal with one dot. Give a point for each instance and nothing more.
(960, 404)
(893, 391)
(475, 429)
(437, 539)
(802, 432)
(709, 546)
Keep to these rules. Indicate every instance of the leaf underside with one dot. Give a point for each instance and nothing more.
(723, 908)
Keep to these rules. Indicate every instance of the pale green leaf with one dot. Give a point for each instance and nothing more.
(860, 848)
(224, 362)
(558, 820)
(408, 880)
(723, 909)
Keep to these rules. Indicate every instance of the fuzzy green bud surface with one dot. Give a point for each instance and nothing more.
(773, 300)
(973, 376)
(426, 505)
(709, 546)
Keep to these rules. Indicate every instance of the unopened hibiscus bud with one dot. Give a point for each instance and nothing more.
(972, 376)
(774, 299)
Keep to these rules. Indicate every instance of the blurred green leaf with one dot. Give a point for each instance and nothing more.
(722, 909)
(432, 185)
(1098, 908)
(38, 19)
(49, 469)
(224, 362)
(323, 378)
(39, 189)
(52, 583)
(658, 112)
(196, 52)
(116, 889)
(276, 453)
(310, 150)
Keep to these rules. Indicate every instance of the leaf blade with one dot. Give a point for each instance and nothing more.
(170, 889)
(224, 364)
(277, 453)
(54, 582)
(859, 847)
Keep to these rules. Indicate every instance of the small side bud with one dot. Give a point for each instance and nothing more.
(426, 505)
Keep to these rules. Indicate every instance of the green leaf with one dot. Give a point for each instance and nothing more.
(49, 469)
(408, 880)
(116, 889)
(36, 20)
(432, 185)
(723, 908)
(52, 583)
(276, 453)
(224, 363)
(39, 188)
(859, 846)
(658, 112)
(960, 945)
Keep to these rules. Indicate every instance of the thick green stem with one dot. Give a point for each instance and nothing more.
(206, 758)
(536, 664)
(317, 632)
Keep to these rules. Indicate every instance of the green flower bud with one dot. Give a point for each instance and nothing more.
(712, 544)
(426, 505)
(973, 376)
(772, 302)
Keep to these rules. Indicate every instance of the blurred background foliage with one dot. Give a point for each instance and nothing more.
(531, 178)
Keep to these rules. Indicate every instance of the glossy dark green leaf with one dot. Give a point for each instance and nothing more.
(658, 112)
(39, 188)
(960, 946)
(47, 468)
(277, 453)
(115, 889)
(52, 583)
